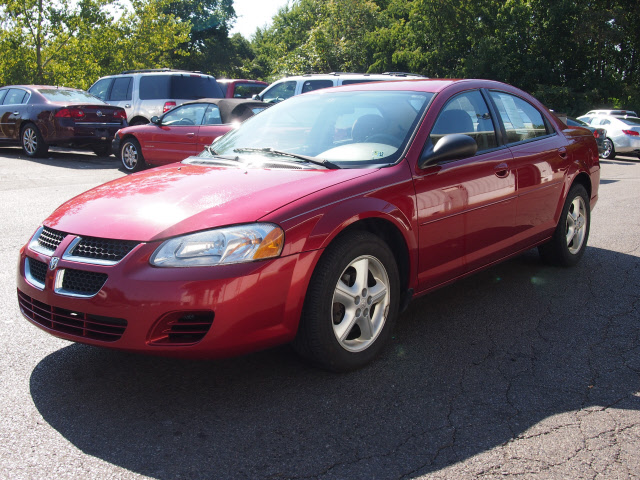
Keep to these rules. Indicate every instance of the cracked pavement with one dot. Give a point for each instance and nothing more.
(521, 371)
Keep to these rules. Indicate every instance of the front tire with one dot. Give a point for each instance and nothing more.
(569, 240)
(609, 150)
(33, 144)
(131, 155)
(351, 303)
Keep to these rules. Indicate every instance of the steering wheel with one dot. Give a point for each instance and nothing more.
(384, 138)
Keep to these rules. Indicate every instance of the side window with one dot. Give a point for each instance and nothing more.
(247, 90)
(522, 121)
(311, 85)
(468, 114)
(604, 121)
(280, 92)
(154, 87)
(16, 96)
(185, 115)
(212, 116)
(121, 89)
(101, 88)
(3, 93)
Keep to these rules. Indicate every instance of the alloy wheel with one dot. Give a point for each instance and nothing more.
(360, 303)
(576, 225)
(30, 141)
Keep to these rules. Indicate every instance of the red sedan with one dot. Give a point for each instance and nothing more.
(38, 116)
(314, 223)
(182, 131)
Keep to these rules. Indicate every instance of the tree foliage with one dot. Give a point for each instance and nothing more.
(572, 54)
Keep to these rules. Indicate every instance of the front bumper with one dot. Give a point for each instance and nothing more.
(252, 306)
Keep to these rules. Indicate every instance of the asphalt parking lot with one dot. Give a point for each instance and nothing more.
(521, 371)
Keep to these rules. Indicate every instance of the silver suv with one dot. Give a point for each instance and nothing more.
(148, 93)
(290, 86)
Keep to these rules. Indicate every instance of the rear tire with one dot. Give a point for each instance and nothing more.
(33, 144)
(609, 150)
(351, 303)
(569, 240)
(131, 155)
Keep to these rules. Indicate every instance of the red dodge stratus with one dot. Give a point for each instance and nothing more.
(314, 223)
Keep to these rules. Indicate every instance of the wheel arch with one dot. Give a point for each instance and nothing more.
(138, 120)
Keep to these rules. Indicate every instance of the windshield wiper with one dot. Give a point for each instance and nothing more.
(314, 160)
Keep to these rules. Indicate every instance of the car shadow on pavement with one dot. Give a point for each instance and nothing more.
(66, 158)
(470, 367)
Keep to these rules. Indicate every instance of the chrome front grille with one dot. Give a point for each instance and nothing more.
(49, 239)
(37, 270)
(70, 281)
(102, 249)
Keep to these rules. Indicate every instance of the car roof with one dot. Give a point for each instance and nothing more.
(432, 85)
(229, 80)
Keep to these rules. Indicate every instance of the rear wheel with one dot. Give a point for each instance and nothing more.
(33, 145)
(131, 155)
(609, 149)
(569, 240)
(351, 303)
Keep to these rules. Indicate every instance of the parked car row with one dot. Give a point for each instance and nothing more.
(314, 222)
(622, 131)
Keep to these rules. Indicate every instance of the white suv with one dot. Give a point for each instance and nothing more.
(148, 93)
(290, 86)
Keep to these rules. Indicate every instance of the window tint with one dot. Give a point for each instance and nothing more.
(121, 89)
(311, 85)
(280, 92)
(16, 96)
(63, 95)
(192, 87)
(247, 90)
(3, 93)
(154, 87)
(185, 115)
(467, 114)
(212, 116)
(631, 121)
(522, 120)
(101, 88)
(363, 80)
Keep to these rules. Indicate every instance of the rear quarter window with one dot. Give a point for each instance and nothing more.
(193, 87)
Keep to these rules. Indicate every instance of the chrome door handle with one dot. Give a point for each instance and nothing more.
(16, 113)
(191, 134)
(127, 105)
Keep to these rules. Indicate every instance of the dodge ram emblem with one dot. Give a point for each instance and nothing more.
(53, 263)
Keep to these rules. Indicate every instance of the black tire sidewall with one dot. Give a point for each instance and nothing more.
(612, 152)
(565, 257)
(321, 345)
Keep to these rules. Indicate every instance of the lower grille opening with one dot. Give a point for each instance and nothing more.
(78, 324)
(181, 328)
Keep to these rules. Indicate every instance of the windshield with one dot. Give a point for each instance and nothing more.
(348, 129)
(62, 95)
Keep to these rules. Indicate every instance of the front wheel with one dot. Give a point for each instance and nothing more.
(351, 303)
(609, 149)
(131, 155)
(569, 240)
(33, 145)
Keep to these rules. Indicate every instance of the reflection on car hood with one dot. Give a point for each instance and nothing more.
(179, 198)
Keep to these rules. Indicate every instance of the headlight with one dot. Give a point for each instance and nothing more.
(222, 246)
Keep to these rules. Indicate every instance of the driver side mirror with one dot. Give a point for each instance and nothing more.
(155, 120)
(256, 96)
(450, 147)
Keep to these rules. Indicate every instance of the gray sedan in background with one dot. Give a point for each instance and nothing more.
(623, 133)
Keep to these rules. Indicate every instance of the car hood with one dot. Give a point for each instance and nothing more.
(179, 198)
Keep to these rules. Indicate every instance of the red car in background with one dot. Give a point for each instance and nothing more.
(314, 222)
(39, 116)
(236, 88)
(182, 131)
